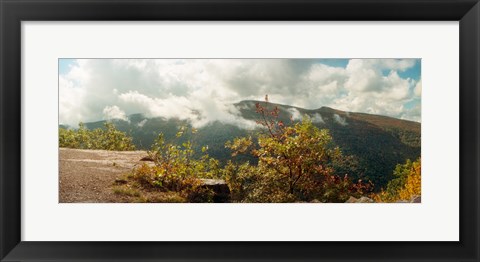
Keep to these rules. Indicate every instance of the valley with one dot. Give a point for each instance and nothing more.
(375, 144)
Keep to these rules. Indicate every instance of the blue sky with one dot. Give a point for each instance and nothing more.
(94, 89)
(65, 65)
(413, 72)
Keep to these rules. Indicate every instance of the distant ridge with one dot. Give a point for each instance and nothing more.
(376, 142)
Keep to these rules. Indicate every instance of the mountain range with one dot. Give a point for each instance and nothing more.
(375, 143)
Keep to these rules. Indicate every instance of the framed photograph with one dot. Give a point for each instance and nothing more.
(239, 130)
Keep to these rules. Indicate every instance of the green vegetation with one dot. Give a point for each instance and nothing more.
(296, 162)
(119, 190)
(405, 185)
(177, 171)
(372, 145)
(108, 138)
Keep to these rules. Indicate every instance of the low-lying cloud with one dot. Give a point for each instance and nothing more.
(142, 123)
(317, 118)
(204, 90)
(339, 120)
(113, 112)
(294, 114)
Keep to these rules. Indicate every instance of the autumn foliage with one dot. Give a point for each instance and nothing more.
(405, 186)
(176, 171)
(295, 163)
(279, 162)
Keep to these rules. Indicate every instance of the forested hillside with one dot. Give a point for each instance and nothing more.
(373, 144)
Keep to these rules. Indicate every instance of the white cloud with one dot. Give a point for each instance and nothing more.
(340, 120)
(203, 90)
(418, 88)
(70, 102)
(369, 90)
(173, 107)
(297, 116)
(113, 112)
(294, 114)
(317, 118)
(142, 123)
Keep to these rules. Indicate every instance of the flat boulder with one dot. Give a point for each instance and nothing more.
(359, 200)
(413, 199)
(351, 200)
(416, 199)
(365, 200)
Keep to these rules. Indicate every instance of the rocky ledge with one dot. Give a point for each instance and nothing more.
(414, 199)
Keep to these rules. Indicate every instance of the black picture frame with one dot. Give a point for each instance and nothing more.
(13, 12)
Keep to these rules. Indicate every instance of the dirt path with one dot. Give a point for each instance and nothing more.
(87, 176)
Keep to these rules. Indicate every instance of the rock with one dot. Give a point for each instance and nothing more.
(315, 201)
(147, 158)
(220, 189)
(120, 181)
(365, 200)
(351, 200)
(359, 200)
(416, 199)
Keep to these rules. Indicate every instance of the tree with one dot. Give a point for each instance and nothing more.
(413, 184)
(405, 185)
(295, 162)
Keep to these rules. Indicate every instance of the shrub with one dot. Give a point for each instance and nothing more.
(405, 185)
(295, 163)
(176, 169)
(108, 138)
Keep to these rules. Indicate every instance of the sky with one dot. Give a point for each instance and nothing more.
(204, 90)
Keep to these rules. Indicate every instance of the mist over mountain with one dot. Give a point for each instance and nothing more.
(376, 143)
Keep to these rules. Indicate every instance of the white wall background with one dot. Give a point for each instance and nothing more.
(436, 218)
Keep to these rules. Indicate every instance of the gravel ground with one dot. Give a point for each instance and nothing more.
(87, 176)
